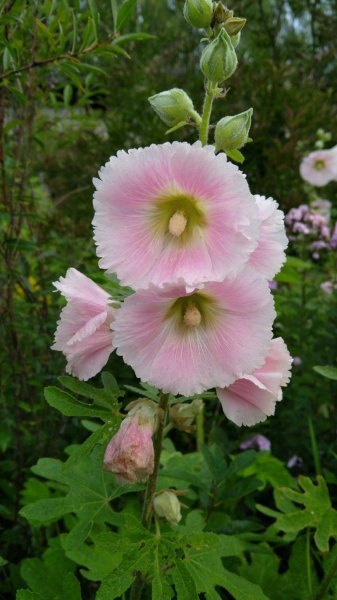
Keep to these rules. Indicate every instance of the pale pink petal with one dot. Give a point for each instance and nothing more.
(233, 340)
(124, 201)
(269, 255)
(253, 398)
(83, 331)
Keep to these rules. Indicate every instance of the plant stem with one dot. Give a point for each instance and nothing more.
(206, 113)
(329, 575)
(157, 444)
(200, 430)
(308, 563)
(138, 585)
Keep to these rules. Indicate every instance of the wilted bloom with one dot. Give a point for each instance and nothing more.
(257, 441)
(167, 505)
(320, 167)
(183, 415)
(269, 255)
(185, 343)
(173, 213)
(252, 398)
(83, 331)
(130, 454)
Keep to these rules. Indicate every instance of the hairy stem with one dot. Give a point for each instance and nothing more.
(206, 114)
(138, 585)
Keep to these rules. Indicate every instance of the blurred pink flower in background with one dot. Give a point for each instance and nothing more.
(320, 167)
(185, 343)
(83, 331)
(328, 287)
(269, 255)
(257, 441)
(252, 398)
(297, 361)
(130, 454)
(173, 213)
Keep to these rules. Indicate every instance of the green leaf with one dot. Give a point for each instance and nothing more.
(133, 37)
(125, 13)
(175, 127)
(28, 595)
(317, 513)
(74, 36)
(95, 16)
(70, 407)
(184, 582)
(328, 372)
(114, 10)
(67, 94)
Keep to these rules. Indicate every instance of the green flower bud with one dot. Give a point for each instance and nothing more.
(231, 133)
(236, 39)
(173, 106)
(198, 13)
(167, 505)
(218, 60)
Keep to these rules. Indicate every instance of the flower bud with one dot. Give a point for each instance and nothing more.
(167, 505)
(183, 415)
(236, 39)
(147, 412)
(218, 60)
(173, 106)
(231, 133)
(130, 454)
(198, 13)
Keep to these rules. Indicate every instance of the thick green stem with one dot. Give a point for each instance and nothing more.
(138, 585)
(200, 430)
(206, 114)
(327, 580)
(157, 444)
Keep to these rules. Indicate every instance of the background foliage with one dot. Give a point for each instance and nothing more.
(74, 82)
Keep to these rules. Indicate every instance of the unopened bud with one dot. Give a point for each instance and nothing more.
(231, 133)
(167, 505)
(234, 25)
(173, 106)
(147, 412)
(183, 415)
(130, 454)
(198, 13)
(218, 60)
(236, 39)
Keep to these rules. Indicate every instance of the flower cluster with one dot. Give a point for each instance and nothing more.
(320, 167)
(312, 224)
(178, 224)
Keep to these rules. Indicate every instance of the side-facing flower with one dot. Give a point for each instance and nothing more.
(173, 213)
(83, 331)
(185, 343)
(320, 167)
(252, 398)
(130, 453)
(269, 255)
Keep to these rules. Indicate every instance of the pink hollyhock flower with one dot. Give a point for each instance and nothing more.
(173, 213)
(320, 167)
(328, 287)
(252, 398)
(257, 441)
(185, 343)
(333, 241)
(83, 332)
(269, 256)
(130, 454)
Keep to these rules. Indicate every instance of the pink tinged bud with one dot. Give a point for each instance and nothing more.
(167, 506)
(130, 454)
(83, 331)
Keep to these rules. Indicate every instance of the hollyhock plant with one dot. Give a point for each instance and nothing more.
(269, 255)
(252, 398)
(130, 454)
(173, 213)
(83, 331)
(187, 342)
(320, 167)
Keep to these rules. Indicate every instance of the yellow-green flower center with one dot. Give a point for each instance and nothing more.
(319, 165)
(191, 312)
(176, 216)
